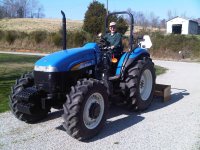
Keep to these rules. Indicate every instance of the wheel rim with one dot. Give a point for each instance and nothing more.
(146, 82)
(93, 111)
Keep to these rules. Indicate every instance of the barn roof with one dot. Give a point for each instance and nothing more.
(173, 18)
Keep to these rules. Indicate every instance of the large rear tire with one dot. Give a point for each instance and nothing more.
(26, 81)
(86, 109)
(140, 83)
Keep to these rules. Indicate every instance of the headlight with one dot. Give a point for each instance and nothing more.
(45, 69)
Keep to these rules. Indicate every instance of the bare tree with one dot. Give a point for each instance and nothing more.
(184, 15)
(36, 10)
(169, 14)
(154, 20)
(132, 12)
(175, 13)
(151, 20)
(163, 23)
(1, 12)
(40, 11)
(23, 8)
(145, 21)
(138, 16)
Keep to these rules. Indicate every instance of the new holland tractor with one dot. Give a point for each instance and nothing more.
(81, 81)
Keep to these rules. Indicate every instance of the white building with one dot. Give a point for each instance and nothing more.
(179, 25)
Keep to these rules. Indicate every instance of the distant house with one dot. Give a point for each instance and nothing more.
(180, 25)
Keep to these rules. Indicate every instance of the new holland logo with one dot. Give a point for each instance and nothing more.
(82, 65)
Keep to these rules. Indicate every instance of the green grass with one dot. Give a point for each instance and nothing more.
(13, 66)
(160, 70)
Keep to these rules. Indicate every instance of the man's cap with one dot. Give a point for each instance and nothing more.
(112, 24)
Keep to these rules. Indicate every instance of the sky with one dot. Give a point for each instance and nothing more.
(75, 9)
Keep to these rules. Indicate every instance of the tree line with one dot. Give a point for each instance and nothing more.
(154, 21)
(95, 19)
(21, 9)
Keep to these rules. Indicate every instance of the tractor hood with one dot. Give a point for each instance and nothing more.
(65, 60)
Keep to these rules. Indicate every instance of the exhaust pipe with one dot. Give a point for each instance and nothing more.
(64, 31)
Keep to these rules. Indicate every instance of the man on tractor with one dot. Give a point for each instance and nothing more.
(115, 40)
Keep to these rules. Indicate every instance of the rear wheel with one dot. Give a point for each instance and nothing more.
(86, 109)
(26, 82)
(140, 83)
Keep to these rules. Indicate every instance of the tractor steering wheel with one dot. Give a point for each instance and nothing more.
(102, 43)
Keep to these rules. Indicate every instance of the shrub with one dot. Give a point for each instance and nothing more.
(22, 35)
(38, 36)
(164, 44)
(57, 39)
(11, 36)
(79, 38)
(1, 35)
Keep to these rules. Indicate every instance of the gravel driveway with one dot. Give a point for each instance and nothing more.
(171, 125)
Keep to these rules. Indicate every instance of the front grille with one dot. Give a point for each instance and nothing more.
(51, 82)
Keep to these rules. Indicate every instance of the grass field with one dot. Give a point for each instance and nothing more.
(50, 25)
(11, 68)
(30, 24)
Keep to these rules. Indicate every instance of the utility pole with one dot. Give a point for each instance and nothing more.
(107, 7)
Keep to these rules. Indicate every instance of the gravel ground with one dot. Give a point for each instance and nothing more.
(171, 125)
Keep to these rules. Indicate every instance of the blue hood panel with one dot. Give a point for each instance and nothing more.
(65, 59)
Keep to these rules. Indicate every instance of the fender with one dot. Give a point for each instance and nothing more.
(135, 54)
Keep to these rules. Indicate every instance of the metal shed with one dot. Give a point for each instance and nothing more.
(180, 25)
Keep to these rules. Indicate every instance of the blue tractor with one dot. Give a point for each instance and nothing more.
(82, 82)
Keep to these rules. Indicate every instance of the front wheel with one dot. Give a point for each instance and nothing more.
(17, 106)
(86, 109)
(140, 83)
